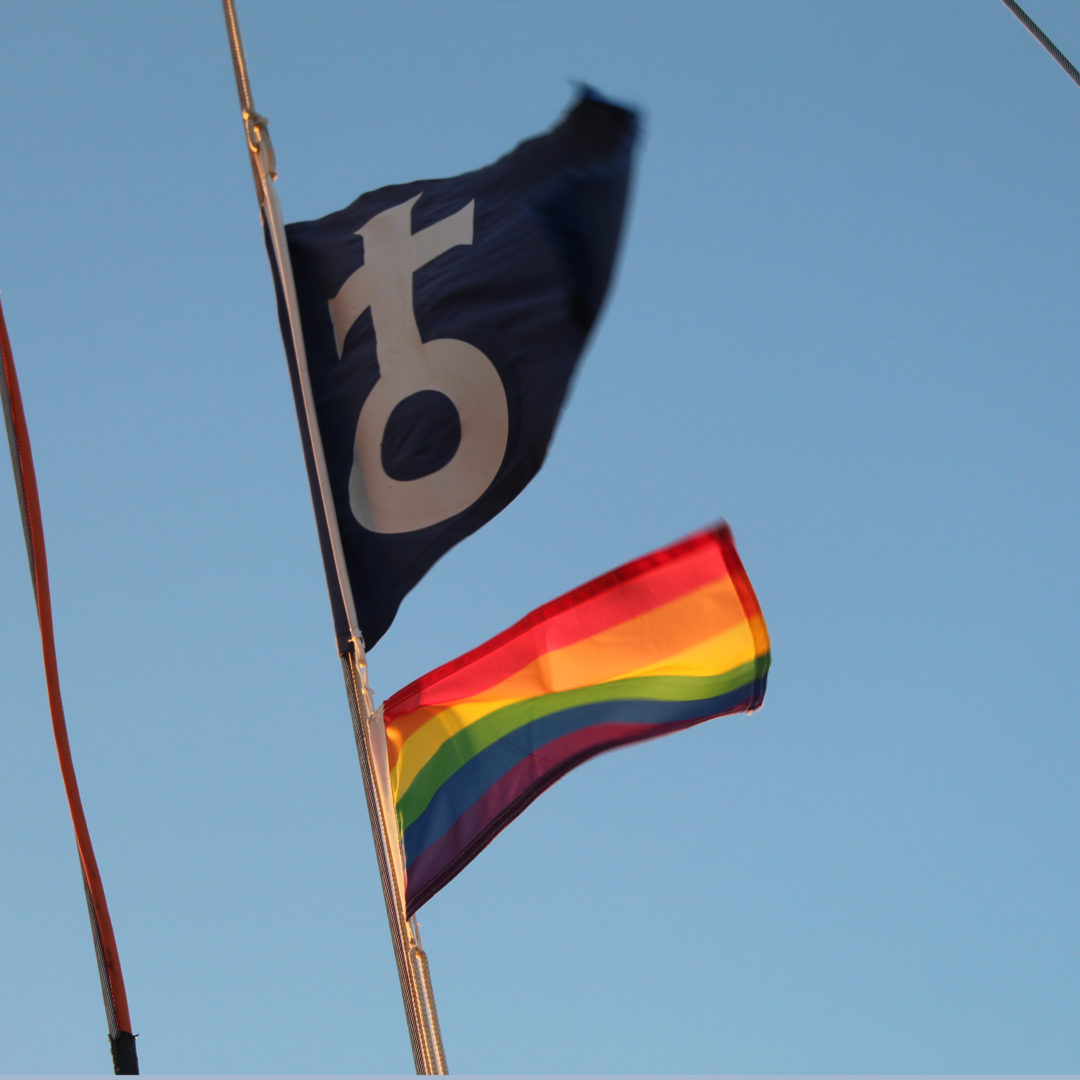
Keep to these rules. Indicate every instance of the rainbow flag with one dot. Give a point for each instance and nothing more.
(664, 642)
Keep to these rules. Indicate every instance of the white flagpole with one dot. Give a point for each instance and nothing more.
(416, 993)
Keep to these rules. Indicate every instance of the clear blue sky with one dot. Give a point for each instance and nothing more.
(845, 319)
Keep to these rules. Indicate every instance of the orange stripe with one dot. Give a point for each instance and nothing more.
(648, 582)
(726, 651)
(615, 652)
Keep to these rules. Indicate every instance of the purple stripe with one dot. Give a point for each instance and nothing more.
(473, 777)
(508, 796)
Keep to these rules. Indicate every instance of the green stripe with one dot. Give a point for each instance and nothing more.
(481, 733)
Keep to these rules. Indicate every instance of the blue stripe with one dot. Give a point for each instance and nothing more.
(470, 782)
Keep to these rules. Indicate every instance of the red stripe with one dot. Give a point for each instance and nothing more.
(739, 577)
(748, 598)
(672, 572)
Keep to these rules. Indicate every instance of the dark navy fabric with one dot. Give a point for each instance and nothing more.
(525, 292)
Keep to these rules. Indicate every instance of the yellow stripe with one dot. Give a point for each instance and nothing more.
(666, 645)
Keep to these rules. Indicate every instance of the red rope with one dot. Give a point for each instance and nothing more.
(109, 960)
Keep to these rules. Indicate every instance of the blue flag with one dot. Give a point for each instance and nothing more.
(443, 320)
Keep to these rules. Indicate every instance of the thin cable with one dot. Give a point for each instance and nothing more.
(112, 980)
(427, 996)
(255, 126)
(394, 901)
(1043, 40)
(428, 1055)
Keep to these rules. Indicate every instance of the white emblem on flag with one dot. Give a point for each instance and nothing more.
(407, 365)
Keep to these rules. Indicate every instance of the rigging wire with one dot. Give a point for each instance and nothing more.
(1043, 40)
(417, 997)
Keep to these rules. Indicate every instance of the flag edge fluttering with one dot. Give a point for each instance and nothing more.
(749, 699)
